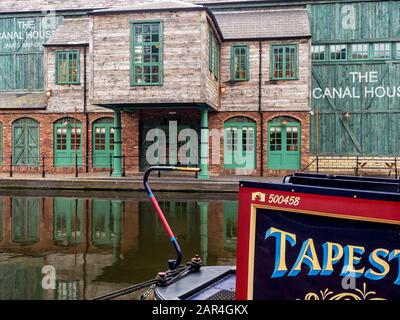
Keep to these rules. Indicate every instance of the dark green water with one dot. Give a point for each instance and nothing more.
(100, 242)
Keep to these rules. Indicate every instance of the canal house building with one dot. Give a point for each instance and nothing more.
(281, 82)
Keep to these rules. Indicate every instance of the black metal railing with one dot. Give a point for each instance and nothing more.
(76, 164)
(45, 164)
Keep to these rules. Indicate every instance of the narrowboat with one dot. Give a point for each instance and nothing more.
(311, 237)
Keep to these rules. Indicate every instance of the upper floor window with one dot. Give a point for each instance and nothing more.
(210, 51)
(318, 53)
(338, 52)
(240, 63)
(216, 58)
(146, 54)
(284, 62)
(67, 67)
(360, 51)
(381, 51)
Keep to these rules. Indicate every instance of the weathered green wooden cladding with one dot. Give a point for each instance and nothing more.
(358, 123)
(21, 51)
(373, 20)
(372, 124)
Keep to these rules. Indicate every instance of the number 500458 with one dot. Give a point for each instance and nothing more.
(291, 201)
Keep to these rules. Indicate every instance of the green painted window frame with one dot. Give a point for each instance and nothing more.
(237, 49)
(320, 52)
(216, 58)
(210, 51)
(284, 62)
(149, 64)
(70, 60)
(374, 51)
(357, 51)
(331, 52)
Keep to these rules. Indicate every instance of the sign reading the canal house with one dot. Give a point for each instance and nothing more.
(303, 246)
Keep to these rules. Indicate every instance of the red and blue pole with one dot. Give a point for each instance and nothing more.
(173, 264)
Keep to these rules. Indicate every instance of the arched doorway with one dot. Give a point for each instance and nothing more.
(25, 142)
(103, 142)
(284, 144)
(67, 142)
(239, 143)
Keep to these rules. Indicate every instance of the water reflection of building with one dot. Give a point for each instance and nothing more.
(98, 245)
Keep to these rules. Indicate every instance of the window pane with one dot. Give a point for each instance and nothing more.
(360, 51)
(381, 51)
(67, 71)
(318, 53)
(239, 63)
(146, 53)
(338, 52)
(284, 62)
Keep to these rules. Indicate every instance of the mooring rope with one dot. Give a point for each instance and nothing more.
(163, 279)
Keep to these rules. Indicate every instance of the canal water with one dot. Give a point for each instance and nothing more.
(95, 243)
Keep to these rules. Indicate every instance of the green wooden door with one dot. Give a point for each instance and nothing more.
(103, 142)
(67, 220)
(284, 146)
(25, 220)
(239, 146)
(67, 142)
(25, 143)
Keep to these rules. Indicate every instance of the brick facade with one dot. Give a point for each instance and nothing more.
(188, 87)
(46, 136)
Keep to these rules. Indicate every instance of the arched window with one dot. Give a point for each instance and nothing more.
(103, 142)
(239, 145)
(67, 142)
(25, 142)
(284, 144)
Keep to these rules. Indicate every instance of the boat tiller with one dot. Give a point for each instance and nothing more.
(172, 264)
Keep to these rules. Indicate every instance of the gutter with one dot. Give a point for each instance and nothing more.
(260, 107)
(85, 106)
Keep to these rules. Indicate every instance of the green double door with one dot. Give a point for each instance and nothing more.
(26, 142)
(103, 143)
(240, 149)
(284, 146)
(68, 143)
